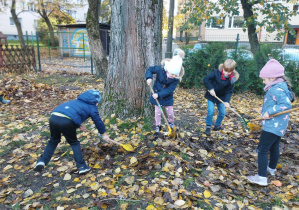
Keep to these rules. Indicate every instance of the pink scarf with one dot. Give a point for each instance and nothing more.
(267, 87)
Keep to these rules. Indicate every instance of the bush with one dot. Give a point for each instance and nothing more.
(200, 63)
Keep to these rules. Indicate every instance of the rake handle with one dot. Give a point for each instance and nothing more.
(160, 107)
(228, 107)
(115, 142)
(279, 113)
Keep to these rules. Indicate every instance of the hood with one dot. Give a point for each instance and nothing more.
(236, 74)
(284, 86)
(88, 98)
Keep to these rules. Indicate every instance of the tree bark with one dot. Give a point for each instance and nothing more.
(17, 23)
(96, 48)
(43, 13)
(136, 44)
(51, 30)
(252, 36)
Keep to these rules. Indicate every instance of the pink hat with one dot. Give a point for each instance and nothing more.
(272, 69)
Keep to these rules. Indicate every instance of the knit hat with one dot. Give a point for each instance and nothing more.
(96, 94)
(174, 65)
(272, 69)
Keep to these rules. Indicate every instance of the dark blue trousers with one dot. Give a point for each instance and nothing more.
(62, 125)
(269, 142)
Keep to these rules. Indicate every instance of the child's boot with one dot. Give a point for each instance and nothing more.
(208, 130)
(5, 101)
(157, 131)
(217, 128)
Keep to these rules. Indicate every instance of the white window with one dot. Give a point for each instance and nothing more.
(85, 15)
(236, 22)
(215, 22)
(12, 23)
(35, 23)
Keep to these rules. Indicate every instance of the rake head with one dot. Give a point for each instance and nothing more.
(171, 132)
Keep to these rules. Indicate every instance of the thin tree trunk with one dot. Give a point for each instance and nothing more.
(17, 23)
(136, 44)
(93, 29)
(252, 36)
(181, 35)
(51, 30)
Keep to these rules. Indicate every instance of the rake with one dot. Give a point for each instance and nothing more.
(127, 147)
(171, 132)
(245, 123)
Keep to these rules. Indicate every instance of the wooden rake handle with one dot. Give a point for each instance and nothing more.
(279, 113)
(115, 142)
(160, 107)
(228, 107)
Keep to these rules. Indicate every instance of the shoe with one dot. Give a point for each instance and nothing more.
(171, 125)
(5, 101)
(84, 169)
(217, 128)
(39, 166)
(256, 179)
(271, 171)
(208, 131)
(157, 131)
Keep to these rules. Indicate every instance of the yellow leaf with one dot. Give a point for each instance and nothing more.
(96, 166)
(150, 207)
(71, 190)
(76, 180)
(159, 200)
(67, 177)
(207, 194)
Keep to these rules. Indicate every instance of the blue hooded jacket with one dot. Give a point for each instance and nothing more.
(277, 99)
(163, 86)
(81, 109)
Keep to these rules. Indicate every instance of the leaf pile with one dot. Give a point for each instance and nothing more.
(194, 171)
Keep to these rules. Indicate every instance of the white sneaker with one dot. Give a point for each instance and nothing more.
(256, 179)
(39, 166)
(5, 101)
(271, 171)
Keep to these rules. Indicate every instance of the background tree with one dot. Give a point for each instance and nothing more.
(56, 8)
(136, 44)
(17, 23)
(55, 19)
(93, 29)
(275, 15)
(105, 12)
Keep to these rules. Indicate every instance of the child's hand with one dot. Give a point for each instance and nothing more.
(105, 137)
(212, 92)
(149, 81)
(226, 105)
(83, 128)
(261, 109)
(155, 95)
(266, 116)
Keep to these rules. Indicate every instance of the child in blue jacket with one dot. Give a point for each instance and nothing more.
(277, 99)
(65, 119)
(168, 76)
(219, 83)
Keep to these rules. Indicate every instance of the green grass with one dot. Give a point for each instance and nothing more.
(187, 182)
(17, 143)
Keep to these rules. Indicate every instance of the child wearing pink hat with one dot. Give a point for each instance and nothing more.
(278, 98)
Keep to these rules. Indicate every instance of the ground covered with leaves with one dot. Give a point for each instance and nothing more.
(193, 171)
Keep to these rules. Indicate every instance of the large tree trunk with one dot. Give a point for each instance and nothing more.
(136, 44)
(93, 29)
(253, 40)
(17, 23)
